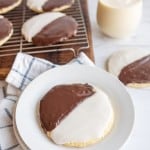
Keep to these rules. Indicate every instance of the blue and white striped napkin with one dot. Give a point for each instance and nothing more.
(24, 70)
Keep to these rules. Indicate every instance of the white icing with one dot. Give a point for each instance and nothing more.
(88, 121)
(123, 58)
(120, 3)
(1, 16)
(36, 4)
(34, 25)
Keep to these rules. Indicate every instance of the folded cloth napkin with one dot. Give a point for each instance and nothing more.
(23, 71)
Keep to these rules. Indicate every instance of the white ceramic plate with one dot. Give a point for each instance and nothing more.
(26, 116)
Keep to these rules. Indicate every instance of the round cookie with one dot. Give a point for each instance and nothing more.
(76, 115)
(131, 66)
(6, 30)
(8, 5)
(49, 28)
(49, 5)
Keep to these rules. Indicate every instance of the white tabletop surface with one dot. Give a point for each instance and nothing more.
(103, 48)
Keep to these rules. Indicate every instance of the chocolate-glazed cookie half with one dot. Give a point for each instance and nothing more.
(136, 72)
(60, 101)
(6, 30)
(8, 5)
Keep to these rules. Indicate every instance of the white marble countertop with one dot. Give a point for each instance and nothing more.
(103, 48)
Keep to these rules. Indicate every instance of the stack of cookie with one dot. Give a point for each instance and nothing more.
(47, 28)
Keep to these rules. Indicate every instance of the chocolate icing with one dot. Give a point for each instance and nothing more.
(52, 4)
(56, 31)
(6, 3)
(60, 101)
(5, 28)
(136, 72)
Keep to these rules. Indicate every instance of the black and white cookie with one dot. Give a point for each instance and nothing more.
(132, 67)
(76, 115)
(49, 5)
(8, 5)
(6, 30)
(49, 28)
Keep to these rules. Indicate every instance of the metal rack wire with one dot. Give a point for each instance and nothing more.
(18, 44)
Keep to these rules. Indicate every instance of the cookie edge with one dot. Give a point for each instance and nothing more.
(11, 7)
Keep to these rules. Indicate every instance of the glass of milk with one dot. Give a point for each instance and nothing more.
(119, 18)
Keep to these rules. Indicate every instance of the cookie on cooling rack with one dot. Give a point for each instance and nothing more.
(49, 28)
(131, 66)
(49, 5)
(76, 115)
(6, 30)
(8, 5)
